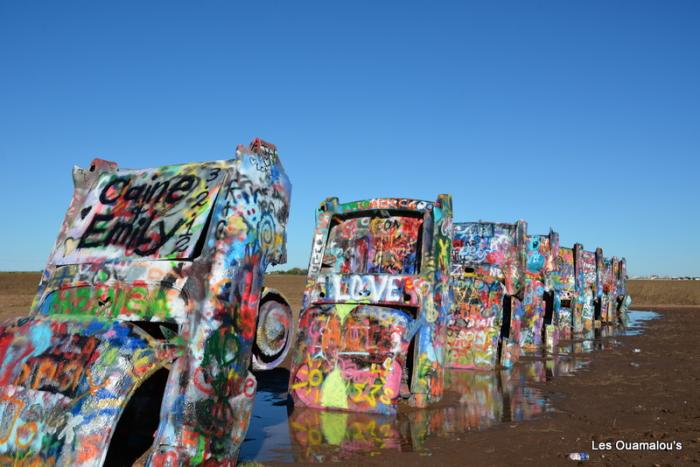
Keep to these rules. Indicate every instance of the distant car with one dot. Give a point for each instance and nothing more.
(623, 300)
(564, 285)
(540, 316)
(586, 291)
(140, 337)
(608, 298)
(372, 325)
(487, 282)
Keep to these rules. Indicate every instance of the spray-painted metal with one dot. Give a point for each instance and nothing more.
(487, 277)
(538, 327)
(564, 296)
(623, 299)
(586, 291)
(608, 297)
(151, 293)
(375, 306)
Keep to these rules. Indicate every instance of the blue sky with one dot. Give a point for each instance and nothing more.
(579, 115)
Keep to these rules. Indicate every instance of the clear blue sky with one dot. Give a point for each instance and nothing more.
(580, 115)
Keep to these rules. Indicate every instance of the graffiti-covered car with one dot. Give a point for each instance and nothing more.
(564, 290)
(139, 340)
(623, 300)
(486, 280)
(586, 290)
(372, 325)
(540, 316)
(608, 297)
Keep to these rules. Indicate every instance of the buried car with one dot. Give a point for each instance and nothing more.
(586, 291)
(140, 337)
(608, 298)
(372, 324)
(540, 313)
(564, 290)
(486, 277)
(622, 299)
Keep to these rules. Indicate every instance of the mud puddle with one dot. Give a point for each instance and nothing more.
(473, 400)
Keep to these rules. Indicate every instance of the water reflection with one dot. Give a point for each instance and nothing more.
(474, 400)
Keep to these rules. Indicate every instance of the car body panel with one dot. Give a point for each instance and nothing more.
(608, 298)
(377, 283)
(541, 251)
(474, 328)
(623, 299)
(64, 383)
(487, 274)
(564, 283)
(587, 279)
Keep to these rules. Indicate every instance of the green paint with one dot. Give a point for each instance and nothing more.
(111, 302)
(199, 456)
(343, 310)
(110, 356)
(333, 392)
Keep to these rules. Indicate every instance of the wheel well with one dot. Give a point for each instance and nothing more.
(133, 435)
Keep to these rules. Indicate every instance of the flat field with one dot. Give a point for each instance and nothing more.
(664, 293)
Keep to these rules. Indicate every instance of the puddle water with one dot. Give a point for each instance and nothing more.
(473, 400)
(636, 321)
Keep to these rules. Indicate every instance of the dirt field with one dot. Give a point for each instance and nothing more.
(622, 395)
(660, 293)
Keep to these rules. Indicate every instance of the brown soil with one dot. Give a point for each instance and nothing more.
(17, 290)
(656, 399)
(610, 400)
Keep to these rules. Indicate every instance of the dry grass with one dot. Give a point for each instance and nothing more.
(660, 293)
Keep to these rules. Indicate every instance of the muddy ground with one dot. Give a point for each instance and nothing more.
(646, 389)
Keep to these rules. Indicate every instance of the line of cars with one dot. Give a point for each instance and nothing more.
(151, 312)
(397, 292)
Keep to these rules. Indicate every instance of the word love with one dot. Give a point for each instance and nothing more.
(365, 287)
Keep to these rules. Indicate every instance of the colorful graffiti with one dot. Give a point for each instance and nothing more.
(607, 300)
(539, 327)
(623, 299)
(564, 283)
(474, 327)
(586, 291)
(153, 269)
(372, 328)
(64, 381)
(487, 272)
(373, 245)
